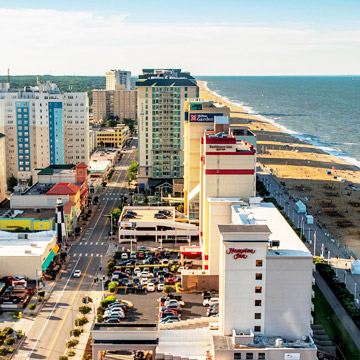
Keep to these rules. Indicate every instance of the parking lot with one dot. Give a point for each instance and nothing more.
(146, 306)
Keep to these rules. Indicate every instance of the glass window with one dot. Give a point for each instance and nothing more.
(237, 356)
(261, 356)
(257, 328)
(258, 276)
(257, 316)
(257, 302)
(258, 289)
(259, 263)
(249, 356)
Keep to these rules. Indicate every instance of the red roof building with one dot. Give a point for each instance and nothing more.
(64, 189)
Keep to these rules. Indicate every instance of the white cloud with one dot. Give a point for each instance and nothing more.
(58, 42)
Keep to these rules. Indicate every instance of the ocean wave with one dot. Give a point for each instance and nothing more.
(309, 139)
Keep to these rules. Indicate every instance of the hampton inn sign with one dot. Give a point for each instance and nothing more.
(240, 253)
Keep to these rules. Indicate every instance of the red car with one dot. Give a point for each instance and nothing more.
(141, 255)
(170, 281)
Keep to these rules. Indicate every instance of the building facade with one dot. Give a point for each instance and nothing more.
(121, 103)
(3, 179)
(118, 79)
(43, 127)
(112, 137)
(161, 98)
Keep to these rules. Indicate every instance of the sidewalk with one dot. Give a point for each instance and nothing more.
(345, 319)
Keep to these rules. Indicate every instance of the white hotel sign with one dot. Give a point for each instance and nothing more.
(293, 356)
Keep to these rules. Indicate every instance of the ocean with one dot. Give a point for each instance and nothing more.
(320, 110)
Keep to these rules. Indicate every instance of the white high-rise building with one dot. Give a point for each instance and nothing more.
(118, 79)
(42, 127)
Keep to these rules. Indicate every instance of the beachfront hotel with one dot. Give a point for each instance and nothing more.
(160, 100)
(43, 127)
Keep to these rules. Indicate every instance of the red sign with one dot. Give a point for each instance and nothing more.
(240, 253)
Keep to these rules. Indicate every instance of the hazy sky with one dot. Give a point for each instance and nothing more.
(250, 37)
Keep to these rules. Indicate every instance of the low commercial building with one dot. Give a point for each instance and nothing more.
(146, 225)
(26, 254)
(106, 154)
(99, 170)
(112, 137)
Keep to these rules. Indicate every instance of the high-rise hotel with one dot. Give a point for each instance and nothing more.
(42, 127)
(161, 98)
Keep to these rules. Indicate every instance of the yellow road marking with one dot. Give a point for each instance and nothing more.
(68, 309)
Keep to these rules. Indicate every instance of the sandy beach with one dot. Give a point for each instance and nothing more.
(303, 168)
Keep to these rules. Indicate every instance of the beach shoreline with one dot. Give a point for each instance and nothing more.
(305, 169)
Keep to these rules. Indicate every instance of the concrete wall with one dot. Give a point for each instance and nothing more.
(288, 296)
(20, 265)
(35, 201)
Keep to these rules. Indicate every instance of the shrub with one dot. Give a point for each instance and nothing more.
(9, 341)
(100, 318)
(108, 300)
(7, 331)
(100, 310)
(178, 286)
(16, 315)
(41, 293)
(84, 309)
(168, 289)
(76, 332)
(111, 264)
(81, 322)
(71, 344)
(41, 299)
(32, 307)
(63, 357)
(89, 356)
(71, 353)
(112, 286)
(4, 351)
(11, 350)
(19, 334)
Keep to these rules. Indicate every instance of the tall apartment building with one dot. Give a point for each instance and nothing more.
(161, 98)
(118, 79)
(121, 103)
(3, 180)
(43, 127)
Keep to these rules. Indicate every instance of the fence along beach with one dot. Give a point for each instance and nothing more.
(329, 186)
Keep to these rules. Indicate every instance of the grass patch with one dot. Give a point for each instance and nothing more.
(325, 316)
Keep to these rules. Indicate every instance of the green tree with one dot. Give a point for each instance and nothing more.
(168, 289)
(180, 208)
(32, 307)
(133, 170)
(72, 343)
(12, 182)
(108, 300)
(84, 309)
(111, 123)
(81, 321)
(130, 123)
(112, 286)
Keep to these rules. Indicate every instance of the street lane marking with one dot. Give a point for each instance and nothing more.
(74, 256)
(97, 255)
(92, 255)
(102, 243)
(85, 243)
(86, 254)
(91, 243)
(80, 254)
(97, 243)
(68, 309)
(48, 318)
(80, 243)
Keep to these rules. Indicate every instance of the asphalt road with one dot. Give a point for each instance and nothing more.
(47, 337)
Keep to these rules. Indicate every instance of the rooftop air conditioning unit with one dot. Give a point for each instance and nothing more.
(28, 251)
(33, 244)
(275, 243)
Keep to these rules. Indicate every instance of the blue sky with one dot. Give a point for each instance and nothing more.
(225, 37)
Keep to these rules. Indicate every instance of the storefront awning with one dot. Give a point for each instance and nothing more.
(47, 261)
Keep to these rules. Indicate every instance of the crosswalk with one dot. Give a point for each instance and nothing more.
(85, 255)
(91, 243)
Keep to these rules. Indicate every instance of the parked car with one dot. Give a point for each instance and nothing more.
(133, 255)
(117, 304)
(165, 261)
(170, 281)
(142, 248)
(176, 307)
(165, 212)
(124, 282)
(140, 255)
(165, 313)
(113, 314)
(129, 216)
(140, 288)
(211, 301)
(136, 280)
(112, 321)
(174, 302)
(77, 273)
(170, 318)
(151, 287)
(131, 212)
(118, 307)
(144, 281)
(137, 270)
(129, 288)
(180, 269)
(144, 274)
(124, 256)
(160, 286)
(160, 216)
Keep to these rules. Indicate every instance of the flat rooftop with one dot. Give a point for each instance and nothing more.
(266, 214)
(25, 244)
(99, 165)
(44, 214)
(146, 214)
(260, 341)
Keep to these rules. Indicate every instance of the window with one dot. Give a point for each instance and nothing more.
(259, 263)
(237, 356)
(258, 289)
(261, 356)
(257, 302)
(249, 356)
(257, 328)
(257, 316)
(258, 276)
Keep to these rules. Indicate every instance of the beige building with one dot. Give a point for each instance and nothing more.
(161, 98)
(121, 103)
(3, 178)
(112, 137)
(43, 127)
(118, 79)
